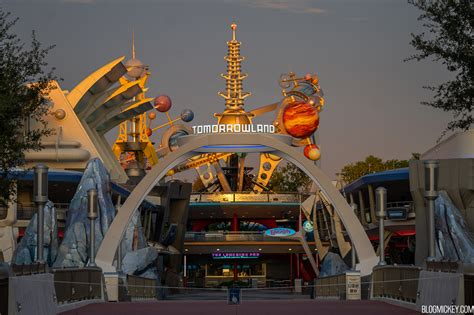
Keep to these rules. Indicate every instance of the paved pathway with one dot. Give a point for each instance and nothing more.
(272, 307)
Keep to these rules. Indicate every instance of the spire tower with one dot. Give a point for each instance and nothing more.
(233, 95)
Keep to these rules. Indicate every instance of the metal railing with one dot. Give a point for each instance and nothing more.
(26, 270)
(284, 197)
(442, 266)
(230, 236)
(401, 204)
(78, 284)
(25, 211)
(396, 282)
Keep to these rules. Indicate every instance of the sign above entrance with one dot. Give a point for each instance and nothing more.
(234, 128)
(280, 232)
(235, 255)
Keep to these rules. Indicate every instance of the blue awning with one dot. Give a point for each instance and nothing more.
(398, 174)
(65, 176)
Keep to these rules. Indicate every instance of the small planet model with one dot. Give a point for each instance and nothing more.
(312, 152)
(300, 119)
(162, 103)
(152, 115)
(187, 115)
(149, 132)
(135, 68)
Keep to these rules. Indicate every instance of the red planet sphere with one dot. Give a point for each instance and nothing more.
(163, 103)
(300, 119)
(312, 152)
(149, 132)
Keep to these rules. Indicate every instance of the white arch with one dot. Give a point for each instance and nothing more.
(108, 248)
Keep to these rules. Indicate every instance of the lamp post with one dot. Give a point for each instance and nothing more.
(40, 197)
(431, 193)
(92, 215)
(353, 250)
(381, 203)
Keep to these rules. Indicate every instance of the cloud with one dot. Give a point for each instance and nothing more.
(293, 6)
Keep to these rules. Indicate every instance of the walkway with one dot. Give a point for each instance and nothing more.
(283, 307)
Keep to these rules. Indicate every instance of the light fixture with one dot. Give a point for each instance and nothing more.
(185, 249)
(259, 249)
(218, 249)
(289, 249)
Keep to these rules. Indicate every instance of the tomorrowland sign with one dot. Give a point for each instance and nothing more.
(234, 128)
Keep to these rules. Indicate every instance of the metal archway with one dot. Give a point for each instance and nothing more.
(236, 142)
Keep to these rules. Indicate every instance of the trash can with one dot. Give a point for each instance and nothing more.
(298, 285)
(353, 285)
(234, 295)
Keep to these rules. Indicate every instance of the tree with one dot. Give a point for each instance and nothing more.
(450, 25)
(289, 178)
(24, 88)
(371, 164)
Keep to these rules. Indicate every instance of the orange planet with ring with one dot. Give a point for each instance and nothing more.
(300, 119)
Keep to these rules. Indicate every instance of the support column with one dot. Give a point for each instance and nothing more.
(372, 204)
(353, 250)
(40, 195)
(236, 277)
(298, 275)
(431, 193)
(92, 215)
(291, 268)
(381, 212)
(235, 223)
(362, 208)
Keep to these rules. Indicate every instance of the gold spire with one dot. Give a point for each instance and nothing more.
(234, 97)
(133, 45)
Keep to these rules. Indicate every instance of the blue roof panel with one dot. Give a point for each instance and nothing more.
(380, 177)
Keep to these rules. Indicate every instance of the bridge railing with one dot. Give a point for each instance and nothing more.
(396, 282)
(279, 197)
(78, 284)
(141, 288)
(230, 236)
(332, 286)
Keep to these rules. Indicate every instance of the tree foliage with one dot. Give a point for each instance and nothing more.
(289, 178)
(450, 26)
(371, 164)
(24, 86)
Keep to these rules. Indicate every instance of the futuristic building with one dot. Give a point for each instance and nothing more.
(233, 228)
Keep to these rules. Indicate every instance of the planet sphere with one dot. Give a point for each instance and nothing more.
(163, 103)
(149, 132)
(312, 152)
(187, 115)
(300, 119)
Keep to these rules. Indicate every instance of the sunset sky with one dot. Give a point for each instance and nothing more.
(356, 48)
